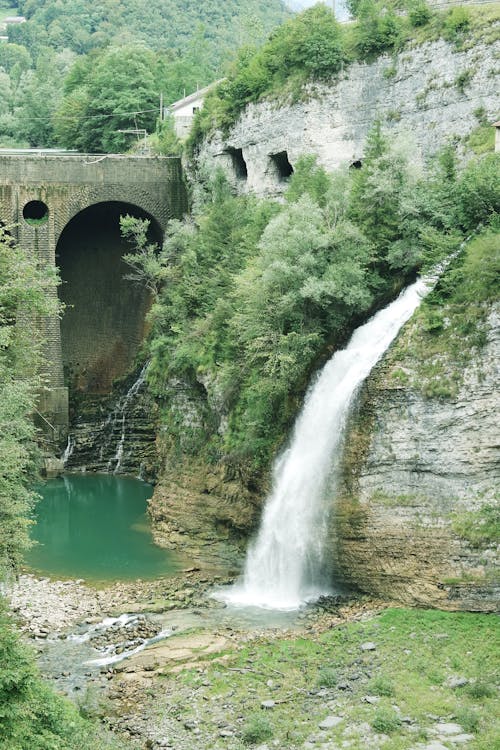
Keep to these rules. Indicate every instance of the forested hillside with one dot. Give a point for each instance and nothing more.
(163, 25)
(185, 45)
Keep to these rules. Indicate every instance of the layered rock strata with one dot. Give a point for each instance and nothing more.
(428, 95)
(414, 469)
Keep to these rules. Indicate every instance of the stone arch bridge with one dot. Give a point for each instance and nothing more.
(64, 208)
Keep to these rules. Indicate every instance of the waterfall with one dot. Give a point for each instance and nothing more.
(70, 445)
(285, 565)
(120, 416)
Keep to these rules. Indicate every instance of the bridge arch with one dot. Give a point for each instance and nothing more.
(104, 318)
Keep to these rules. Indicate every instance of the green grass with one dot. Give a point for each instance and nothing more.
(463, 27)
(417, 651)
(481, 527)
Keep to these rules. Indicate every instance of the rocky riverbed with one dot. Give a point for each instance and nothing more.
(166, 666)
(46, 606)
(106, 645)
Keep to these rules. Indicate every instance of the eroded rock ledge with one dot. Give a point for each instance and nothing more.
(414, 466)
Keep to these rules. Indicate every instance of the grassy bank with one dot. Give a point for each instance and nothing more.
(397, 681)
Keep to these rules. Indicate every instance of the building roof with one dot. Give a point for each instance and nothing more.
(195, 96)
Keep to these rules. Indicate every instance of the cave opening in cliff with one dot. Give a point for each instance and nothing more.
(282, 166)
(104, 317)
(238, 162)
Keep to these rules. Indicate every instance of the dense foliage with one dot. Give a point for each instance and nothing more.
(450, 328)
(183, 45)
(163, 25)
(254, 295)
(23, 294)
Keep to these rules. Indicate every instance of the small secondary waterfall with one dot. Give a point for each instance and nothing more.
(68, 451)
(114, 432)
(285, 565)
(120, 416)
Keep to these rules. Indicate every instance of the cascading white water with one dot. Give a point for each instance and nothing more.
(68, 451)
(285, 565)
(120, 415)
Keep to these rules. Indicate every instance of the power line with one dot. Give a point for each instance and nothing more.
(93, 117)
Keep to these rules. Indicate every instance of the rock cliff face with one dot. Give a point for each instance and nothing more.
(427, 94)
(418, 472)
(114, 432)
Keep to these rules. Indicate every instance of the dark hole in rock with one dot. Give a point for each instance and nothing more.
(284, 169)
(239, 163)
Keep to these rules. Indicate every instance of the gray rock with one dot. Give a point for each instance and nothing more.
(368, 646)
(333, 120)
(456, 682)
(330, 722)
(448, 728)
(268, 704)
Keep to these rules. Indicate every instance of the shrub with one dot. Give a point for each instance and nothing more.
(378, 28)
(257, 729)
(327, 677)
(386, 720)
(457, 23)
(463, 79)
(468, 719)
(478, 192)
(420, 14)
(481, 689)
(382, 686)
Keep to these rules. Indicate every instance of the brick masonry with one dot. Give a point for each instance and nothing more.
(69, 184)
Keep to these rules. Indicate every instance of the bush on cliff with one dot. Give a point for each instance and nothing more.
(308, 46)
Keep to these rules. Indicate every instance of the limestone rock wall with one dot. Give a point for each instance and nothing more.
(413, 466)
(427, 94)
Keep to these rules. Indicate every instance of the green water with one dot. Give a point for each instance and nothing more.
(95, 527)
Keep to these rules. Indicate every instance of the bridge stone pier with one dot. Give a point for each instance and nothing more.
(64, 208)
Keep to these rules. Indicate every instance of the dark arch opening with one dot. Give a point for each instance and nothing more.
(104, 320)
(239, 163)
(282, 166)
(35, 212)
(356, 164)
